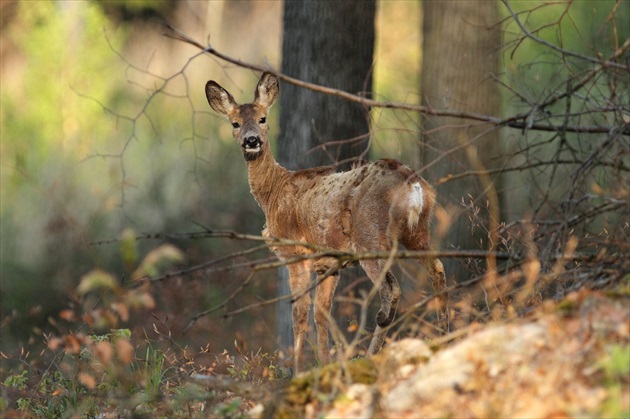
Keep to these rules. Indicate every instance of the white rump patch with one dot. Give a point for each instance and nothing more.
(416, 203)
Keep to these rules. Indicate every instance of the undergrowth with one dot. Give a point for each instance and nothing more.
(90, 367)
(92, 363)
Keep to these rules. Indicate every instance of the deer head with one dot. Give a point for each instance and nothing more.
(249, 121)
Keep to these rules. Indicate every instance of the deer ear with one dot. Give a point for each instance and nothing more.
(219, 99)
(267, 90)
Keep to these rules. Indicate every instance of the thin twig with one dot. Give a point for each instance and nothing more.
(513, 122)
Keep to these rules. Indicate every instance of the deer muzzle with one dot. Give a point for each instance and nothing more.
(251, 144)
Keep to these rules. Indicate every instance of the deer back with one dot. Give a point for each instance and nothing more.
(366, 208)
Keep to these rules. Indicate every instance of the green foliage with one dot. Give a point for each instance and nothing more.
(16, 381)
(616, 369)
(588, 28)
(551, 72)
(97, 280)
(233, 409)
(617, 365)
(90, 147)
(158, 258)
(129, 248)
(105, 373)
(45, 202)
(107, 370)
(53, 117)
(120, 333)
(54, 396)
(153, 370)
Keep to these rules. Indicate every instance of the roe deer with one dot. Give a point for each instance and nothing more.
(365, 209)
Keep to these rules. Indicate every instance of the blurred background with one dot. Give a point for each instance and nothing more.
(106, 134)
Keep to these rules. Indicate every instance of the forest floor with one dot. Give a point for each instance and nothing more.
(565, 359)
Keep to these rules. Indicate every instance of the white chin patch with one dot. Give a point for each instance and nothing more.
(252, 150)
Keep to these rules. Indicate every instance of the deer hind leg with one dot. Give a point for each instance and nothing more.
(420, 240)
(299, 279)
(389, 291)
(324, 294)
(435, 268)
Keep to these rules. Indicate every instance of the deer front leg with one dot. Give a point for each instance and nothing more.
(299, 278)
(324, 294)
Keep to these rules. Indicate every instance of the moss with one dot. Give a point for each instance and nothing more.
(320, 385)
(567, 307)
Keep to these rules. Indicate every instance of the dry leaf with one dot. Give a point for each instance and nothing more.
(68, 315)
(103, 352)
(72, 344)
(87, 380)
(124, 350)
(54, 343)
(139, 299)
(122, 310)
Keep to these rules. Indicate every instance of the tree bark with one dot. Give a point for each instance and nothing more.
(460, 52)
(329, 43)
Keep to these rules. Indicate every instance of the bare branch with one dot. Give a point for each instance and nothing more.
(564, 52)
(512, 122)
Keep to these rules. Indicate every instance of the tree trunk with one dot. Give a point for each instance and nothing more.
(460, 52)
(329, 43)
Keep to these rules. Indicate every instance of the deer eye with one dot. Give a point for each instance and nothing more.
(236, 125)
(262, 120)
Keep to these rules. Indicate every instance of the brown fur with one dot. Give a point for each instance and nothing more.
(367, 208)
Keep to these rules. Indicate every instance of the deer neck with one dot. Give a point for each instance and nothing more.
(266, 179)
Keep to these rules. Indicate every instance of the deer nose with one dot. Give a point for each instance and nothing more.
(251, 142)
